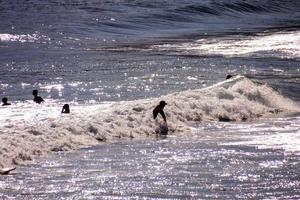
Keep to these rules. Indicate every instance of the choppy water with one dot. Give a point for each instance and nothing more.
(94, 51)
(91, 52)
(215, 161)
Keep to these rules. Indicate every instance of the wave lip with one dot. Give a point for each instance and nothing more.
(281, 44)
(236, 99)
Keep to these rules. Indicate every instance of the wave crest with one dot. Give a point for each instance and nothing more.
(236, 99)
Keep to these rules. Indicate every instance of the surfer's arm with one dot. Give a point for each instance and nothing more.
(155, 112)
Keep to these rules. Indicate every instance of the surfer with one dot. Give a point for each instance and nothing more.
(65, 109)
(4, 101)
(160, 109)
(162, 129)
(229, 76)
(37, 98)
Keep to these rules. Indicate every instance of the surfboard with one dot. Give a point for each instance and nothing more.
(5, 171)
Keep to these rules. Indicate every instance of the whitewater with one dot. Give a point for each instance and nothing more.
(28, 131)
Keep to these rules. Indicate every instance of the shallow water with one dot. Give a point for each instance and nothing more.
(214, 161)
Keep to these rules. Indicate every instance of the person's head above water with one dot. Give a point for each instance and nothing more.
(65, 109)
(34, 92)
(4, 101)
(228, 76)
(37, 98)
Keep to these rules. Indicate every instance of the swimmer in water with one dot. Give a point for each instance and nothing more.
(37, 98)
(4, 101)
(65, 109)
(229, 76)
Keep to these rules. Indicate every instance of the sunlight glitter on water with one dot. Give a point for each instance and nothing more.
(177, 167)
(282, 44)
(281, 133)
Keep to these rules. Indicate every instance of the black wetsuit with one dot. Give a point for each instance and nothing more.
(38, 99)
(159, 109)
(65, 109)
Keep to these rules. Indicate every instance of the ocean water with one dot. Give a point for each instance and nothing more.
(113, 61)
(124, 50)
(210, 163)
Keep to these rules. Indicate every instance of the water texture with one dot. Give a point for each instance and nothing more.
(28, 131)
(95, 51)
(113, 61)
(210, 163)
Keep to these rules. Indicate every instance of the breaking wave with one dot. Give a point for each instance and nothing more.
(236, 99)
(281, 44)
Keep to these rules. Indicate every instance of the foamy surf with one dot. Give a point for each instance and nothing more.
(280, 44)
(6, 37)
(24, 136)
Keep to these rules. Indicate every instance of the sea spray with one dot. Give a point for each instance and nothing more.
(236, 99)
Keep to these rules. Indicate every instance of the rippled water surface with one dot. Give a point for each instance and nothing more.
(90, 52)
(99, 51)
(215, 161)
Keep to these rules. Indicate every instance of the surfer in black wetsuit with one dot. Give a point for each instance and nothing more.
(160, 109)
(4, 101)
(229, 76)
(65, 109)
(37, 98)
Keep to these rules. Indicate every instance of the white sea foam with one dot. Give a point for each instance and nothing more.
(5, 37)
(28, 130)
(282, 44)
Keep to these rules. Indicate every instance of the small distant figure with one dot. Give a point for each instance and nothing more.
(4, 101)
(65, 109)
(37, 98)
(229, 76)
(160, 109)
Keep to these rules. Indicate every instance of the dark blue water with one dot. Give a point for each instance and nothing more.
(94, 51)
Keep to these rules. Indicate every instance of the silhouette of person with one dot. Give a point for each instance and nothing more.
(160, 109)
(37, 98)
(228, 76)
(4, 101)
(65, 109)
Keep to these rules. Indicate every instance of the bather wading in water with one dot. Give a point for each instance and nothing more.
(65, 109)
(159, 109)
(37, 98)
(4, 101)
